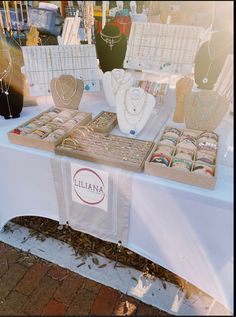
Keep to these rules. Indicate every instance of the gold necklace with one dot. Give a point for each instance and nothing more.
(65, 100)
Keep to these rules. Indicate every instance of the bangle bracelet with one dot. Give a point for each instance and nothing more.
(207, 154)
(161, 160)
(189, 133)
(205, 160)
(203, 169)
(174, 130)
(183, 155)
(171, 134)
(181, 163)
(168, 141)
(207, 146)
(210, 135)
(205, 139)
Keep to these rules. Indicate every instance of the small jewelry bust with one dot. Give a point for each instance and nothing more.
(67, 91)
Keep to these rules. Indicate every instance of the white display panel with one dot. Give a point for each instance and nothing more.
(163, 47)
(42, 63)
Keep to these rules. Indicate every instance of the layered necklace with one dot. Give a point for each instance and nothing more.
(110, 40)
(134, 110)
(5, 85)
(65, 95)
(117, 82)
(212, 59)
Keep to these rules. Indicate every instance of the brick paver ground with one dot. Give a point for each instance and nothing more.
(32, 286)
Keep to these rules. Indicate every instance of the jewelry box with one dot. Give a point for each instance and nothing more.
(118, 151)
(48, 128)
(185, 155)
(104, 122)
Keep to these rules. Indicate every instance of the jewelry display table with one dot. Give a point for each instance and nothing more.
(187, 230)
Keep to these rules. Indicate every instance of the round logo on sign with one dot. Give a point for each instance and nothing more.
(88, 186)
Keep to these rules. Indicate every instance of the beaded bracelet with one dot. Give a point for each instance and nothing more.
(207, 146)
(168, 141)
(174, 130)
(181, 163)
(208, 154)
(187, 143)
(171, 134)
(203, 169)
(210, 135)
(184, 155)
(190, 133)
(205, 160)
(206, 139)
(164, 149)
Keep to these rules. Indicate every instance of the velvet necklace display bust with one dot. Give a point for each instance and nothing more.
(11, 85)
(111, 48)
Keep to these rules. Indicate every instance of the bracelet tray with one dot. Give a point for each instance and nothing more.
(187, 177)
(103, 154)
(110, 123)
(42, 144)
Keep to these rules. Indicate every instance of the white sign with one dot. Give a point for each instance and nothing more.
(89, 186)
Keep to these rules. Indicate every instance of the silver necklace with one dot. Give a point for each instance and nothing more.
(65, 100)
(110, 40)
(135, 113)
(205, 79)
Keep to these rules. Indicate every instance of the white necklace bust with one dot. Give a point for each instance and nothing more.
(114, 81)
(134, 107)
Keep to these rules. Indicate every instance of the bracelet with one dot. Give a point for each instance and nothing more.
(174, 130)
(188, 144)
(184, 155)
(205, 139)
(205, 160)
(168, 141)
(161, 160)
(181, 163)
(190, 133)
(203, 169)
(207, 154)
(164, 149)
(210, 135)
(207, 146)
(154, 155)
(171, 134)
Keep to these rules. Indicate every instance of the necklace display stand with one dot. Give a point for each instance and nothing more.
(66, 91)
(113, 81)
(210, 59)
(134, 107)
(11, 85)
(111, 47)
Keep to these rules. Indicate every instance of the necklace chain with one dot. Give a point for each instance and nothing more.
(118, 82)
(110, 40)
(65, 101)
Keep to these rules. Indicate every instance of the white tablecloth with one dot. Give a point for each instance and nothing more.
(186, 229)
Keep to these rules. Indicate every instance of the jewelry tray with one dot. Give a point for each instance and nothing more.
(118, 151)
(180, 175)
(104, 122)
(41, 143)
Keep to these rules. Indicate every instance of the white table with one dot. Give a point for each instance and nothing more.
(186, 229)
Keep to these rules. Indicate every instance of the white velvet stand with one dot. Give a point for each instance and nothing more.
(134, 107)
(113, 81)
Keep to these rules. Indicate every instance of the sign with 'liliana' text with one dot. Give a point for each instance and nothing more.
(89, 186)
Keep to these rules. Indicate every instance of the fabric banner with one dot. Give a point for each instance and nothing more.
(93, 198)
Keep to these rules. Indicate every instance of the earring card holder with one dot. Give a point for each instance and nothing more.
(184, 175)
(121, 152)
(104, 122)
(43, 63)
(162, 47)
(16, 136)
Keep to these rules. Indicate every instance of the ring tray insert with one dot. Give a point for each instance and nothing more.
(118, 151)
(104, 122)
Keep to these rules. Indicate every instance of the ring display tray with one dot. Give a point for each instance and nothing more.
(104, 122)
(18, 137)
(118, 151)
(179, 174)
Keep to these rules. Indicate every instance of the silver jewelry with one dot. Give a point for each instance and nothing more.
(110, 40)
(118, 81)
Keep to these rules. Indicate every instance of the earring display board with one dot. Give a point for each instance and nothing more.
(163, 47)
(43, 63)
(110, 149)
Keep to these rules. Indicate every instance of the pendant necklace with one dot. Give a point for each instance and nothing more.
(134, 111)
(118, 81)
(65, 100)
(205, 79)
(5, 90)
(110, 40)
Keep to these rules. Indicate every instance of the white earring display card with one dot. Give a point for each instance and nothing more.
(162, 47)
(43, 63)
